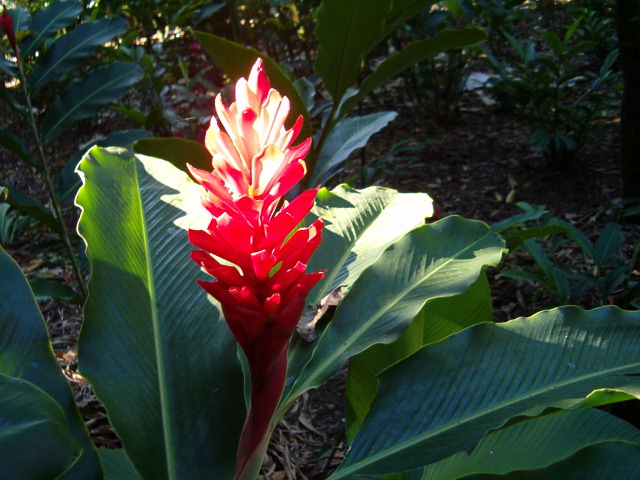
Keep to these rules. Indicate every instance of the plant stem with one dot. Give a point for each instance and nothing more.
(64, 234)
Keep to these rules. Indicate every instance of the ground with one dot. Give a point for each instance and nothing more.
(477, 166)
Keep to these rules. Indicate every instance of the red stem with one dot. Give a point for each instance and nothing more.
(267, 385)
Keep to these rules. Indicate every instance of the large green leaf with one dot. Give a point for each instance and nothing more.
(68, 50)
(46, 23)
(612, 460)
(417, 51)
(359, 226)
(84, 98)
(154, 347)
(437, 320)
(31, 206)
(69, 181)
(443, 399)
(117, 466)
(437, 260)
(347, 30)
(237, 60)
(346, 137)
(178, 151)
(27, 355)
(35, 441)
(535, 444)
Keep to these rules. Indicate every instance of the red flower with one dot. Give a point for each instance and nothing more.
(6, 23)
(263, 291)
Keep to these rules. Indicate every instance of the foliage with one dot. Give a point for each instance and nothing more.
(339, 64)
(608, 273)
(436, 84)
(47, 59)
(564, 102)
(434, 388)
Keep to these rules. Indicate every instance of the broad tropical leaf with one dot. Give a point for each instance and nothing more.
(347, 30)
(117, 466)
(437, 260)
(68, 50)
(359, 226)
(178, 151)
(69, 180)
(35, 441)
(437, 320)
(417, 51)
(84, 98)
(153, 345)
(27, 355)
(46, 23)
(444, 399)
(346, 137)
(604, 460)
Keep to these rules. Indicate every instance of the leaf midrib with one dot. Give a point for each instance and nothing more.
(157, 341)
(481, 413)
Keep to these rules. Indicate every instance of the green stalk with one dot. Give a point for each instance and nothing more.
(64, 234)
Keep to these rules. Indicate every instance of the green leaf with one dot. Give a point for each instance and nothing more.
(607, 244)
(443, 399)
(517, 238)
(69, 181)
(346, 137)
(236, 61)
(67, 51)
(404, 10)
(545, 441)
(34, 439)
(359, 226)
(21, 19)
(437, 260)
(27, 355)
(84, 98)
(604, 460)
(46, 23)
(437, 320)
(530, 213)
(417, 51)
(177, 151)
(152, 344)
(16, 146)
(347, 30)
(31, 206)
(117, 466)
(44, 289)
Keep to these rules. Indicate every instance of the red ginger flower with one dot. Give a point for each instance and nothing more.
(6, 23)
(263, 295)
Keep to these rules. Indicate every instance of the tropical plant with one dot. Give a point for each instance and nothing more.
(43, 58)
(430, 378)
(564, 102)
(347, 32)
(608, 273)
